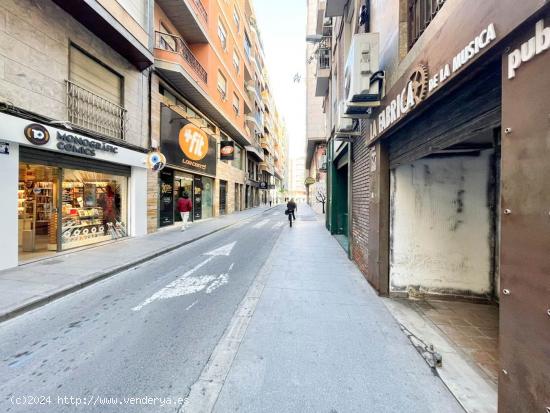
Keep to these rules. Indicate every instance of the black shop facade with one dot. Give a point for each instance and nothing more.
(190, 168)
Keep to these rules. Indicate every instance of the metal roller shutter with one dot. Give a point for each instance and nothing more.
(467, 110)
(38, 156)
(95, 77)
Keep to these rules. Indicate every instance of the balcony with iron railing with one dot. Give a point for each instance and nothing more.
(256, 119)
(95, 113)
(322, 75)
(176, 45)
(199, 7)
(254, 91)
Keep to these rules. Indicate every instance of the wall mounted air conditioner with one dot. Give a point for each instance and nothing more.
(345, 125)
(363, 80)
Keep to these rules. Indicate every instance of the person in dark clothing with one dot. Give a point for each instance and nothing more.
(291, 207)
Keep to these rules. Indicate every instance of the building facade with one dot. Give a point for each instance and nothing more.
(318, 58)
(210, 79)
(74, 124)
(442, 180)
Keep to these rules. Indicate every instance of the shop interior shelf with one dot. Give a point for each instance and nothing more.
(79, 226)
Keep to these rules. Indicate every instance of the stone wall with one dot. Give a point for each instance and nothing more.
(34, 63)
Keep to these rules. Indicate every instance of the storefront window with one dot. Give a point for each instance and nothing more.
(207, 196)
(238, 159)
(93, 208)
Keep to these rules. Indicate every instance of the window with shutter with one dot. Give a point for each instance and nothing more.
(222, 85)
(236, 61)
(95, 96)
(167, 41)
(236, 103)
(222, 34)
(94, 76)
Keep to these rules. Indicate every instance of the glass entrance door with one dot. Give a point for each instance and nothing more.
(37, 208)
(183, 183)
(223, 197)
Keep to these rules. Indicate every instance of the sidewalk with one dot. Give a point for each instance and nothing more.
(320, 339)
(34, 284)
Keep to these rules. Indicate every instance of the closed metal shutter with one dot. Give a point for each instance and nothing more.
(37, 156)
(469, 109)
(95, 77)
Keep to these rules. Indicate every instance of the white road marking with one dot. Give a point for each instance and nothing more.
(225, 250)
(261, 223)
(186, 284)
(277, 225)
(222, 279)
(189, 307)
(276, 213)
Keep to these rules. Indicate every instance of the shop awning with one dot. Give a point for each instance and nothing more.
(257, 152)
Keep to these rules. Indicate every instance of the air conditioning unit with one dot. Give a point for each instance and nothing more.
(345, 124)
(363, 80)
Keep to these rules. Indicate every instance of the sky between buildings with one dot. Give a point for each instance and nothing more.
(282, 26)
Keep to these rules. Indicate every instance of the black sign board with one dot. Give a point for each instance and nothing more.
(166, 198)
(197, 198)
(227, 150)
(185, 144)
(263, 185)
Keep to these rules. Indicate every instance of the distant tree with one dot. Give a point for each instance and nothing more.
(321, 197)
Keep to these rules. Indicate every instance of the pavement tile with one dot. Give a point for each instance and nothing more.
(321, 340)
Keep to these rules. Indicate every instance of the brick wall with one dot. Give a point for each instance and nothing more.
(152, 201)
(233, 176)
(360, 207)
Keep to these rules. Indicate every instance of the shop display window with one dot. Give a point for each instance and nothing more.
(93, 208)
(207, 197)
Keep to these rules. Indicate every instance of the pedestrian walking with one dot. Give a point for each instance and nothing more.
(270, 203)
(291, 207)
(185, 206)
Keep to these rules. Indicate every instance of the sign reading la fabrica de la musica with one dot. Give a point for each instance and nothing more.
(420, 85)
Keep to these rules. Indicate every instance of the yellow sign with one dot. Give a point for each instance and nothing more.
(193, 142)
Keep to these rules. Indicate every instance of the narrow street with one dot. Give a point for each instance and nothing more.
(319, 340)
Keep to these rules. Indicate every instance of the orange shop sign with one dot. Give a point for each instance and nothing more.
(193, 142)
(186, 145)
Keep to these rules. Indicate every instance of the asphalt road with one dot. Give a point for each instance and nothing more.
(146, 332)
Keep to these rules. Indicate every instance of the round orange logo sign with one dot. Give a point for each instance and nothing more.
(193, 142)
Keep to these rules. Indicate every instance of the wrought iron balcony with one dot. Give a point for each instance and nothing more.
(177, 45)
(95, 113)
(325, 51)
(200, 8)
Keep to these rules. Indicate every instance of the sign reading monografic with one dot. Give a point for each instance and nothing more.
(185, 145)
(227, 150)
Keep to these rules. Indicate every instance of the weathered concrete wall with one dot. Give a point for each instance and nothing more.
(441, 229)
